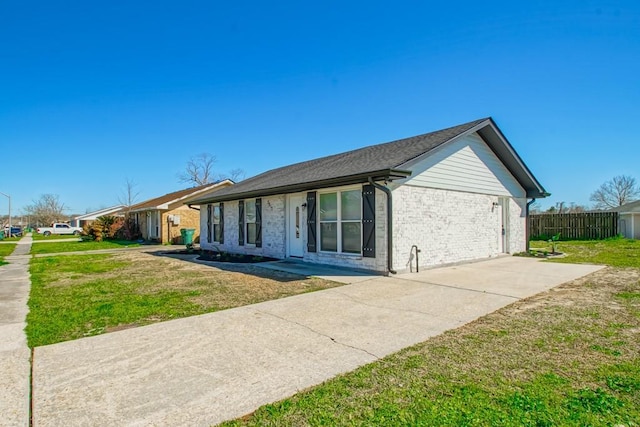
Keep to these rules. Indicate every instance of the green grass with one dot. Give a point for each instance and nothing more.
(75, 296)
(568, 357)
(12, 239)
(72, 246)
(59, 312)
(617, 252)
(5, 250)
(36, 236)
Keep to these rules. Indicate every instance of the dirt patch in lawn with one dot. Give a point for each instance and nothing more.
(93, 294)
(215, 287)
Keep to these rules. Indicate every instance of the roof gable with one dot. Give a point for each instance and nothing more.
(113, 210)
(385, 161)
(628, 207)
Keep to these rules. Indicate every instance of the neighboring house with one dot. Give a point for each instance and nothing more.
(160, 219)
(457, 194)
(629, 219)
(88, 218)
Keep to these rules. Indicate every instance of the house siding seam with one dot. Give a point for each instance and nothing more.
(450, 226)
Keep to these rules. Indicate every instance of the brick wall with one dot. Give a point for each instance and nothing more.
(451, 226)
(517, 225)
(189, 218)
(273, 229)
(274, 223)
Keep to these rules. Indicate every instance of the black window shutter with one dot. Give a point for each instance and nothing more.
(311, 221)
(221, 223)
(368, 221)
(258, 223)
(209, 221)
(241, 222)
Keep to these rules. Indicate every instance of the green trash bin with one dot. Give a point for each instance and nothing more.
(187, 236)
(1, 234)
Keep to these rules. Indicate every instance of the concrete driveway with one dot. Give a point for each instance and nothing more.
(206, 369)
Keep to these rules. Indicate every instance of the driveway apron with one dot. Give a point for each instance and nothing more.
(206, 369)
(14, 354)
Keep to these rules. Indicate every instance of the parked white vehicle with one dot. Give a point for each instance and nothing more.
(59, 228)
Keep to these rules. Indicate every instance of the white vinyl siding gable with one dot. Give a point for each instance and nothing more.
(468, 165)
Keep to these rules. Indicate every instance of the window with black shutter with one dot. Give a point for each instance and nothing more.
(311, 221)
(258, 223)
(241, 222)
(221, 237)
(209, 223)
(368, 221)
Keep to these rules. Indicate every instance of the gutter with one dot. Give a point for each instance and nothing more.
(389, 223)
(191, 207)
(527, 228)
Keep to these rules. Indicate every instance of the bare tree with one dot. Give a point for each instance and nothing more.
(129, 229)
(46, 210)
(129, 195)
(200, 171)
(576, 208)
(234, 175)
(616, 192)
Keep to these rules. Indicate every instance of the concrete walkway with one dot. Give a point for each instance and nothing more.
(202, 370)
(15, 365)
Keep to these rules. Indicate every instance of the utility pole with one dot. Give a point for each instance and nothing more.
(8, 197)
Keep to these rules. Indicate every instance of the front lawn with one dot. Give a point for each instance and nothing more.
(73, 246)
(36, 236)
(569, 357)
(74, 296)
(617, 252)
(5, 250)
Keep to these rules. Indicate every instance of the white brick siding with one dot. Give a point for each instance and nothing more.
(273, 229)
(517, 225)
(450, 226)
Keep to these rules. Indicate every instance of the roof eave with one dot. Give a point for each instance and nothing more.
(361, 178)
(511, 159)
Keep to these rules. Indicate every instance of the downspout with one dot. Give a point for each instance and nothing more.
(389, 224)
(527, 225)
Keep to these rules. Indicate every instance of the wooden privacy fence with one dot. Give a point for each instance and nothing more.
(579, 226)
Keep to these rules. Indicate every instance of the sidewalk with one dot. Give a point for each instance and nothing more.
(14, 354)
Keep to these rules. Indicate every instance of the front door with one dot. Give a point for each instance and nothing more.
(153, 225)
(296, 221)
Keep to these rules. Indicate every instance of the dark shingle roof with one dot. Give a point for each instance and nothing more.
(379, 161)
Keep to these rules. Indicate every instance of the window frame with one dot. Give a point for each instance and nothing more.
(339, 221)
(247, 223)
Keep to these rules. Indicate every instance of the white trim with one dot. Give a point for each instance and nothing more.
(338, 221)
(100, 212)
(288, 224)
(246, 223)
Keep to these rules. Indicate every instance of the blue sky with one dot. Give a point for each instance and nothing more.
(94, 93)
